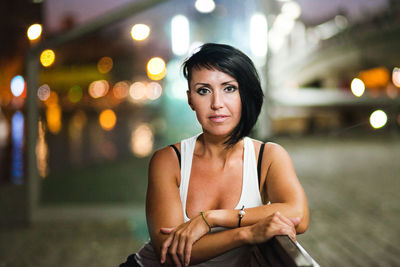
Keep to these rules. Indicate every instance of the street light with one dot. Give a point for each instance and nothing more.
(156, 68)
(34, 31)
(140, 32)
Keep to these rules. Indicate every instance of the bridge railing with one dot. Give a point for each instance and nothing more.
(282, 251)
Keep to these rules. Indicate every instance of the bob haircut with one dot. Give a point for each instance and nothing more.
(236, 64)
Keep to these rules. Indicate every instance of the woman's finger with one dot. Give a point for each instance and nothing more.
(289, 231)
(181, 247)
(172, 253)
(284, 219)
(188, 252)
(165, 246)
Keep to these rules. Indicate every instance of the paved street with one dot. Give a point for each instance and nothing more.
(353, 189)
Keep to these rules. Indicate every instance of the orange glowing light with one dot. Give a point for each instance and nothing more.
(375, 78)
(53, 117)
(107, 119)
(121, 90)
(52, 99)
(105, 64)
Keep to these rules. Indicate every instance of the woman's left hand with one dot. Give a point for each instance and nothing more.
(181, 239)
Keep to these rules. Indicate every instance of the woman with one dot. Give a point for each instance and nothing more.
(211, 196)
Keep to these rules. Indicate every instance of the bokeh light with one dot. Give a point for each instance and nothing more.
(204, 6)
(107, 119)
(396, 77)
(156, 68)
(53, 117)
(291, 9)
(357, 87)
(4, 130)
(154, 91)
(52, 99)
(43, 92)
(105, 64)
(140, 32)
(378, 119)
(53, 113)
(78, 121)
(98, 88)
(375, 77)
(259, 35)
(75, 94)
(47, 58)
(138, 91)
(17, 85)
(17, 133)
(34, 31)
(41, 152)
(121, 90)
(180, 35)
(341, 21)
(142, 140)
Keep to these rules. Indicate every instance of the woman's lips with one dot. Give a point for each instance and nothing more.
(218, 118)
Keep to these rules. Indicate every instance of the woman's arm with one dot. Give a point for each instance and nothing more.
(163, 205)
(164, 209)
(283, 189)
(214, 244)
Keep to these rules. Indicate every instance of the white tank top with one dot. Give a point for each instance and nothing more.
(250, 197)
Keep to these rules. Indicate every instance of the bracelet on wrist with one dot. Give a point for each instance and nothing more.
(204, 219)
(241, 215)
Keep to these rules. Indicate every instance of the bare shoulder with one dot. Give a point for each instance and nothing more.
(275, 149)
(270, 149)
(164, 161)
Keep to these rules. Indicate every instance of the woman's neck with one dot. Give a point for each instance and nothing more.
(215, 147)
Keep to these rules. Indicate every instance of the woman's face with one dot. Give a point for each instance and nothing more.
(214, 96)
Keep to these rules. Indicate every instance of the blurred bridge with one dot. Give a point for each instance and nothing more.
(310, 79)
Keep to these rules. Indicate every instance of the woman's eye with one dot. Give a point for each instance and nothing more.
(230, 89)
(202, 91)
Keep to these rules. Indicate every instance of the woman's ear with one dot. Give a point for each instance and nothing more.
(189, 99)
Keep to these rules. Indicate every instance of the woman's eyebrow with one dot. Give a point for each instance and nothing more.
(232, 81)
(206, 84)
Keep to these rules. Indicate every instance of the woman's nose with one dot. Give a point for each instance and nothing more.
(217, 101)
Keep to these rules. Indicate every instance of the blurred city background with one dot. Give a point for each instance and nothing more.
(89, 89)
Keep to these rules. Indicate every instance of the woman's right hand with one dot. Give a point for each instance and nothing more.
(181, 239)
(275, 224)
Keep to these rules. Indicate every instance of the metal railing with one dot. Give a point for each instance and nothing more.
(282, 251)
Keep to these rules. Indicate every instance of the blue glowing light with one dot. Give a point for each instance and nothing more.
(17, 85)
(17, 131)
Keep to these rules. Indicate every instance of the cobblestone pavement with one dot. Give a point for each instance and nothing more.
(353, 189)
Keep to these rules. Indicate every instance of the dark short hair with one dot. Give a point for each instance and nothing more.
(236, 64)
